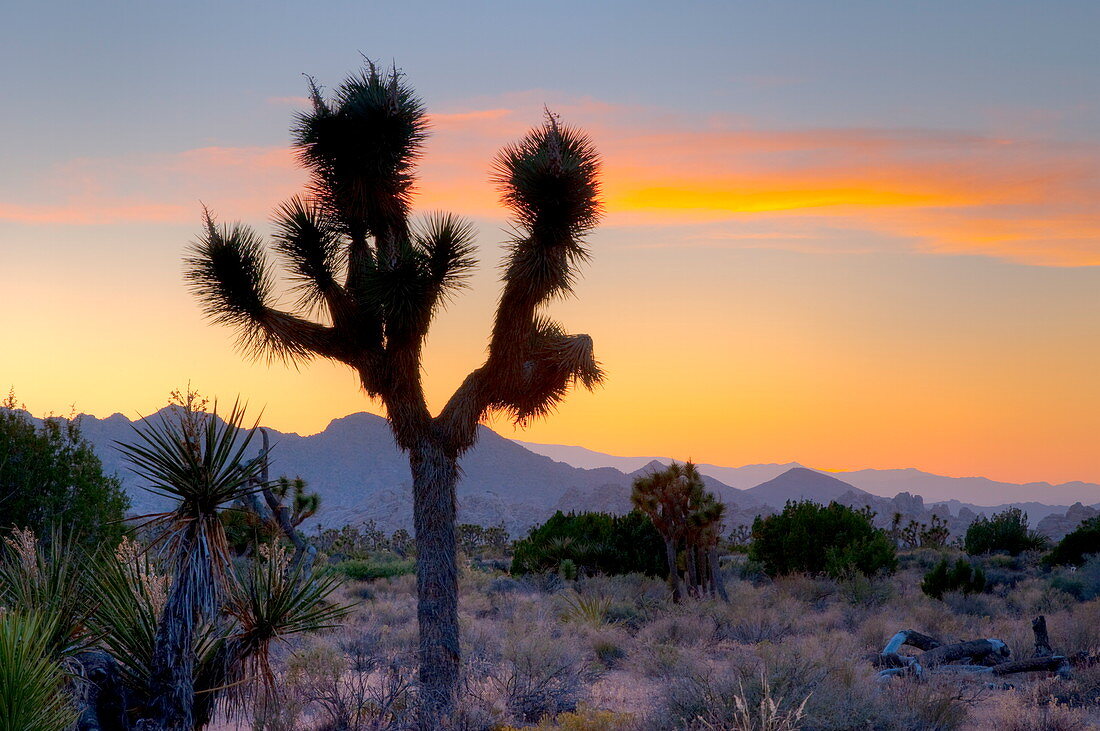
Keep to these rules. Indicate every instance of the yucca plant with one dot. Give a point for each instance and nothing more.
(50, 581)
(197, 460)
(32, 682)
(186, 627)
(129, 595)
(584, 609)
(270, 599)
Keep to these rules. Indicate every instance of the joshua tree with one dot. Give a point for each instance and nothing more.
(374, 279)
(704, 534)
(664, 496)
(689, 519)
(277, 514)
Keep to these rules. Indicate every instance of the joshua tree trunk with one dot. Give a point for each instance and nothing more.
(435, 474)
(716, 574)
(304, 554)
(673, 574)
(692, 571)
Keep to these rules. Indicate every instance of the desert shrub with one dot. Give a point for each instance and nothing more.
(665, 662)
(585, 719)
(1005, 532)
(1035, 709)
(380, 566)
(507, 585)
(684, 629)
(833, 539)
(755, 623)
(864, 591)
(52, 480)
(971, 605)
(1082, 689)
(352, 690)
(608, 651)
(584, 608)
(719, 703)
(962, 578)
(1081, 582)
(626, 614)
(1082, 542)
(547, 583)
(592, 542)
(541, 675)
(820, 684)
(937, 705)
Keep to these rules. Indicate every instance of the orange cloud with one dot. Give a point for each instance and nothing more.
(1030, 200)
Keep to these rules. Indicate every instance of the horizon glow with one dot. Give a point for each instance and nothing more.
(806, 256)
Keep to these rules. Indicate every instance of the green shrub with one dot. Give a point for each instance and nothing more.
(1083, 582)
(593, 543)
(962, 578)
(815, 539)
(1076, 546)
(1005, 532)
(52, 480)
(376, 567)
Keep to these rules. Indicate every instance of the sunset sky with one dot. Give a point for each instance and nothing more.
(852, 235)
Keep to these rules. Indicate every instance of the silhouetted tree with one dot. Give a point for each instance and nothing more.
(376, 280)
(1006, 532)
(51, 479)
(688, 519)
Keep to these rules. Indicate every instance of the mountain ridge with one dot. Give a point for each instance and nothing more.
(356, 467)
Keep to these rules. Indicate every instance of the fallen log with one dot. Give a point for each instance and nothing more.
(912, 638)
(983, 657)
(1051, 664)
(977, 651)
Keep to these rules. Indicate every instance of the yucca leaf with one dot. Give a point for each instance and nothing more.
(32, 694)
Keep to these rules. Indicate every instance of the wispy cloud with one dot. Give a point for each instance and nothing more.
(1029, 199)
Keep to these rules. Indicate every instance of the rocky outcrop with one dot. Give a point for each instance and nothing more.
(1056, 526)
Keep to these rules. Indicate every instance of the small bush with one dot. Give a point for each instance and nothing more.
(963, 578)
(587, 543)
(507, 585)
(1005, 532)
(382, 567)
(585, 719)
(628, 615)
(704, 704)
(542, 676)
(834, 540)
(1080, 582)
(1076, 546)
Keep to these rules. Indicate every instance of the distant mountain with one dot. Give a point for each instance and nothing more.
(974, 490)
(1038, 498)
(799, 483)
(588, 459)
(741, 478)
(360, 475)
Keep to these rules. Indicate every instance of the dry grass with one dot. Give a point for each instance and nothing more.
(614, 653)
